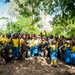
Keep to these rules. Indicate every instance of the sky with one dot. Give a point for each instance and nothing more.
(3, 13)
(3, 9)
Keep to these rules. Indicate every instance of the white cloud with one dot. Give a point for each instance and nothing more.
(4, 13)
(45, 21)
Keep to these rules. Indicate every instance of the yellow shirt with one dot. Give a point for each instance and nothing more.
(72, 48)
(3, 40)
(31, 42)
(66, 45)
(56, 44)
(15, 42)
(0, 44)
(8, 40)
(0, 38)
(53, 47)
(21, 41)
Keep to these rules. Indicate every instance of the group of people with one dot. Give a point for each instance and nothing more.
(20, 45)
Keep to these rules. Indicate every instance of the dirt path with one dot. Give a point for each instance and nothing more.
(36, 67)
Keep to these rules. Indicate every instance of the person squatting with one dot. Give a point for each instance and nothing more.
(20, 45)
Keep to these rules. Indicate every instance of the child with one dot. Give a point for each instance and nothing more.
(2, 61)
(25, 48)
(44, 47)
(73, 52)
(15, 44)
(67, 52)
(53, 53)
(3, 40)
(31, 44)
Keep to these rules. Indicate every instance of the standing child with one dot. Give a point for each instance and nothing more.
(53, 53)
(24, 48)
(67, 52)
(73, 51)
(15, 44)
(31, 44)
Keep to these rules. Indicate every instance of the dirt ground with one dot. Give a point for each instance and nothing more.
(37, 66)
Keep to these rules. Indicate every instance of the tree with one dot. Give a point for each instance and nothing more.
(64, 11)
(1, 31)
(33, 7)
(22, 25)
(27, 8)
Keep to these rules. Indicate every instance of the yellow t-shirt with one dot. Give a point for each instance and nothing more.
(31, 42)
(72, 48)
(15, 42)
(0, 38)
(21, 41)
(8, 40)
(56, 44)
(53, 47)
(3, 40)
(65, 45)
(0, 43)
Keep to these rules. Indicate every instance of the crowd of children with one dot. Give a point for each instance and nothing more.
(20, 45)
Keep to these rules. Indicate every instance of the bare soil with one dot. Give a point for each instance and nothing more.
(37, 66)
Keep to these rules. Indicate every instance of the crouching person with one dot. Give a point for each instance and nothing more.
(53, 53)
